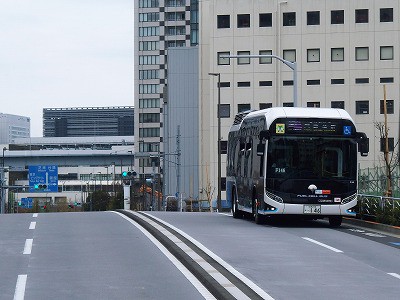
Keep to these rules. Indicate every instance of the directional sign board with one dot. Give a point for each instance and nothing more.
(43, 179)
(26, 202)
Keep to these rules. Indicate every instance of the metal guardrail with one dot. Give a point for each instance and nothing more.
(371, 206)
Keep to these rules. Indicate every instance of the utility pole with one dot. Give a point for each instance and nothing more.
(178, 169)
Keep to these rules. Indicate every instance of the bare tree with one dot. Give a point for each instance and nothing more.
(209, 190)
(390, 158)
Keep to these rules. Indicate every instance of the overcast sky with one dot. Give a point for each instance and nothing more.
(64, 53)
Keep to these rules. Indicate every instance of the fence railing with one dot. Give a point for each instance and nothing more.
(379, 208)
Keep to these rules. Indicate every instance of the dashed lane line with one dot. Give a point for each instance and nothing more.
(395, 275)
(19, 293)
(28, 246)
(32, 225)
(35, 215)
(323, 245)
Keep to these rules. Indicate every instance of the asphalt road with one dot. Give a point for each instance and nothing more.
(106, 255)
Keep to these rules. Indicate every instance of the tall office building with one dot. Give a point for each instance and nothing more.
(88, 121)
(345, 53)
(159, 26)
(12, 127)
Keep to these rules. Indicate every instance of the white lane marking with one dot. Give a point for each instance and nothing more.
(368, 233)
(323, 245)
(28, 246)
(395, 275)
(19, 293)
(192, 279)
(35, 215)
(218, 259)
(32, 225)
(226, 214)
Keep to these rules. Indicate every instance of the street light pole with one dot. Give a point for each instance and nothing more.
(218, 139)
(2, 200)
(291, 65)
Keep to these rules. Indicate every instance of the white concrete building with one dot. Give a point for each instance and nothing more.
(345, 51)
(13, 127)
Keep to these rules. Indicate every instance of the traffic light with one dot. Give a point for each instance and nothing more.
(39, 186)
(126, 174)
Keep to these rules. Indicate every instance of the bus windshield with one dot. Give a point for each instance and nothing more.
(311, 158)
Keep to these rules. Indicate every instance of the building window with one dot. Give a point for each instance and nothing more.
(389, 107)
(390, 144)
(149, 60)
(361, 15)
(243, 107)
(265, 105)
(362, 107)
(386, 80)
(265, 83)
(149, 147)
(149, 17)
(223, 61)
(265, 60)
(244, 60)
(175, 30)
(289, 19)
(337, 81)
(225, 84)
(175, 16)
(362, 53)
(148, 3)
(174, 3)
(362, 80)
(313, 55)
(265, 20)
(337, 54)
(386, 15)
(149, 118)
(149, 45)
(149, 88)
(289, 55)
(243, 84)
(225, 110)
(149, 132)
(224, 147)
(313, 18)
(337, 104)
(313, 104)
(287, 82)
(175, 43)
(223, 21)
(149, 103)
(149, 74)
(337, 16)
(149, 31)
(386, 52)
(313, 82)
(287, 104)
(243, 20)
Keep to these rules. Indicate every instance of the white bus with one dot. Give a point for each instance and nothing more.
(294, 161)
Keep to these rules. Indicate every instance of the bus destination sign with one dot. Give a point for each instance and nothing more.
(315, 127)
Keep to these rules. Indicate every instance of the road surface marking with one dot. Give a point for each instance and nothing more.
(218, 259)
(395, 275)
(28, 246)
(19, 293)
(35, 215)
(32, 225)
(193, 280)
(323, 245)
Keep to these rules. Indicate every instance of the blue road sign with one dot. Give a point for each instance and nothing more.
(43, 179)
(26, 202)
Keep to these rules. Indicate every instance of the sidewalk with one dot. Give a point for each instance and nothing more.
(372, 225)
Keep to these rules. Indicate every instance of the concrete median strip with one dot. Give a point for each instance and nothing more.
(221, 281)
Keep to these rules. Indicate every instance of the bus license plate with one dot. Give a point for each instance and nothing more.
(312, 209)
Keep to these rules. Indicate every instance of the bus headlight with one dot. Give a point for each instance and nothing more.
(349, 199)
(274, 197)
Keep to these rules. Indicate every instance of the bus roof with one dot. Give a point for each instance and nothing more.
(271, 114)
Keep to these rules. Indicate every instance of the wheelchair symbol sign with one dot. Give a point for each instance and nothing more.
(346, 130)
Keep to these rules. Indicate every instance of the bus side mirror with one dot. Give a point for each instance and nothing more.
(260, 149)
(363, 143)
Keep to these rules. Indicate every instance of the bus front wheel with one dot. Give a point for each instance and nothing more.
(335, 221)
(235, 209)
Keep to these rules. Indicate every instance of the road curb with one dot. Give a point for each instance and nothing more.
(372, 225)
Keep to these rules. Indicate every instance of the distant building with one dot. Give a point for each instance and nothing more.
(88, 121)
(12, 127)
